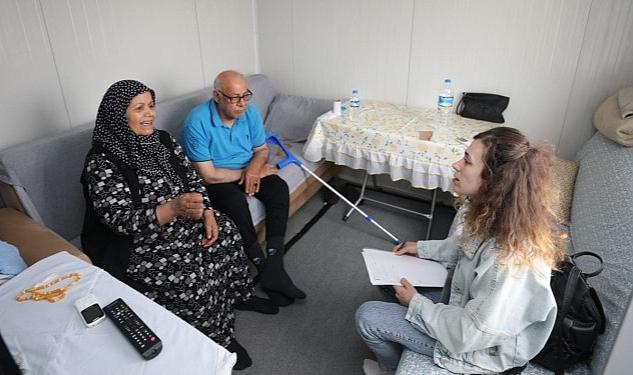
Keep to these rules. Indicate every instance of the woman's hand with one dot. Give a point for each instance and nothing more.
(188, 205)
(210, 228)
(409, 248)
(405, 292)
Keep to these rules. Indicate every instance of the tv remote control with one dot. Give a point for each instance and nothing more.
(134, 329)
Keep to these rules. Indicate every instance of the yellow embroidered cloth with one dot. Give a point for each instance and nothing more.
(387, 138)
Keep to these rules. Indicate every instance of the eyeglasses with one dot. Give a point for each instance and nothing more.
(236, 99)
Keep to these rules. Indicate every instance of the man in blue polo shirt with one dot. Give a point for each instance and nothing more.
(225, 139)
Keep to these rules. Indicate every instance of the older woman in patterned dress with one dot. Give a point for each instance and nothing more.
(184, 255)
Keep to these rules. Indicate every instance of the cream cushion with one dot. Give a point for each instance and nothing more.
(625, 102)
(609, 122)
(564, 175)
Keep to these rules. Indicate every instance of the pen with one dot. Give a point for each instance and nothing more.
(401, 245)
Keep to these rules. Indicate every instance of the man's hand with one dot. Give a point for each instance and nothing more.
(405, 292)
(188, 205)
(268, 170)
(250, 180)
(210, 228)
(253, 172)
(409, 248)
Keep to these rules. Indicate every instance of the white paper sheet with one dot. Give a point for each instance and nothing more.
(386, 268)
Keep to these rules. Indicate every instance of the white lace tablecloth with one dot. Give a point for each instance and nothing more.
(385, 138)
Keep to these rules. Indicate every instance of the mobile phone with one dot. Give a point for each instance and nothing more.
(89, 310)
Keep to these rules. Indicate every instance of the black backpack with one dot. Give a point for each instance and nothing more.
(580, 318)
(107, 249)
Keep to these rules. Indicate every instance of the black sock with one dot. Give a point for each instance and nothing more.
(256, 255)
(274, 277)
(280, 299)
(258, 304)
(243, 359)
(275, 243)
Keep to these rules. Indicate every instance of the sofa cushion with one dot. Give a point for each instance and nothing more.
(45, 176)
(601, 222)
(291, 117)
(412, 363)
(172, 113)
(263, 93)
(293, 175)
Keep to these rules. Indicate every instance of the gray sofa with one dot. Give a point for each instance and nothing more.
(602, 222)
(41, 178)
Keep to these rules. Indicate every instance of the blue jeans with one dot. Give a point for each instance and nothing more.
(385, 331)
(434, 294)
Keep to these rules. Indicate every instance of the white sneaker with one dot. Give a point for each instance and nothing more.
(370, 367)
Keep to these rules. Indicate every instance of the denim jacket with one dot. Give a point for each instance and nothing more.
(497, 318)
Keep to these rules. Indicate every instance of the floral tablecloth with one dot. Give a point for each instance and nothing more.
(386, 138)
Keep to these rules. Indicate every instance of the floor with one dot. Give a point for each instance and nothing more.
(317, 335)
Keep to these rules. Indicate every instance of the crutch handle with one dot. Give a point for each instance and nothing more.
(271, 138)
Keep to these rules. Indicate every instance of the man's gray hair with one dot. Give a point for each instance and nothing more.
(217, 85)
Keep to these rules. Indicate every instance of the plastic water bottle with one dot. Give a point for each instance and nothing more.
(354, 105)
(445, 102)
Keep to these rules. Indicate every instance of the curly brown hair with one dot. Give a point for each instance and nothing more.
(515, 200)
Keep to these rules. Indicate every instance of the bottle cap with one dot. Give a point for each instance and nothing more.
(447, 81)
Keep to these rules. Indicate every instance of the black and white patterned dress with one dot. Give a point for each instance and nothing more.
(199, 284)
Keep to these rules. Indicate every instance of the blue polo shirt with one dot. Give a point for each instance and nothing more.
(205, 137)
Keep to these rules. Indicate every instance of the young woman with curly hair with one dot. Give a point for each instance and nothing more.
(501, 308)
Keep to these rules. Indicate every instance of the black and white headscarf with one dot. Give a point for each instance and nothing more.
(145, 153)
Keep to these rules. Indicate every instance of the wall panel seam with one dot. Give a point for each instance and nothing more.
(573, 84)
(25, 34)
(55, 65)
(256, 36)
(197, 18)
(292, 47)
(412, 27)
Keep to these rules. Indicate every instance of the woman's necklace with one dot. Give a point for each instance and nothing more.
(40, 291)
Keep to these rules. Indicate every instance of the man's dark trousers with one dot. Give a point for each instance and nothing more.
(273, 193)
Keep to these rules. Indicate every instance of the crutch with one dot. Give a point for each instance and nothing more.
(271, 138)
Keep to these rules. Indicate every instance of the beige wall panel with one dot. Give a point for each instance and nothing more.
(527, 50)
(605, 66)
(331, 47)
(31, 101)
(98, 42)
(227, 36)
(275, 42)
(363, 44)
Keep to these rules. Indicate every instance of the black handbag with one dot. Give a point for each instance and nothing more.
(482, 106)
